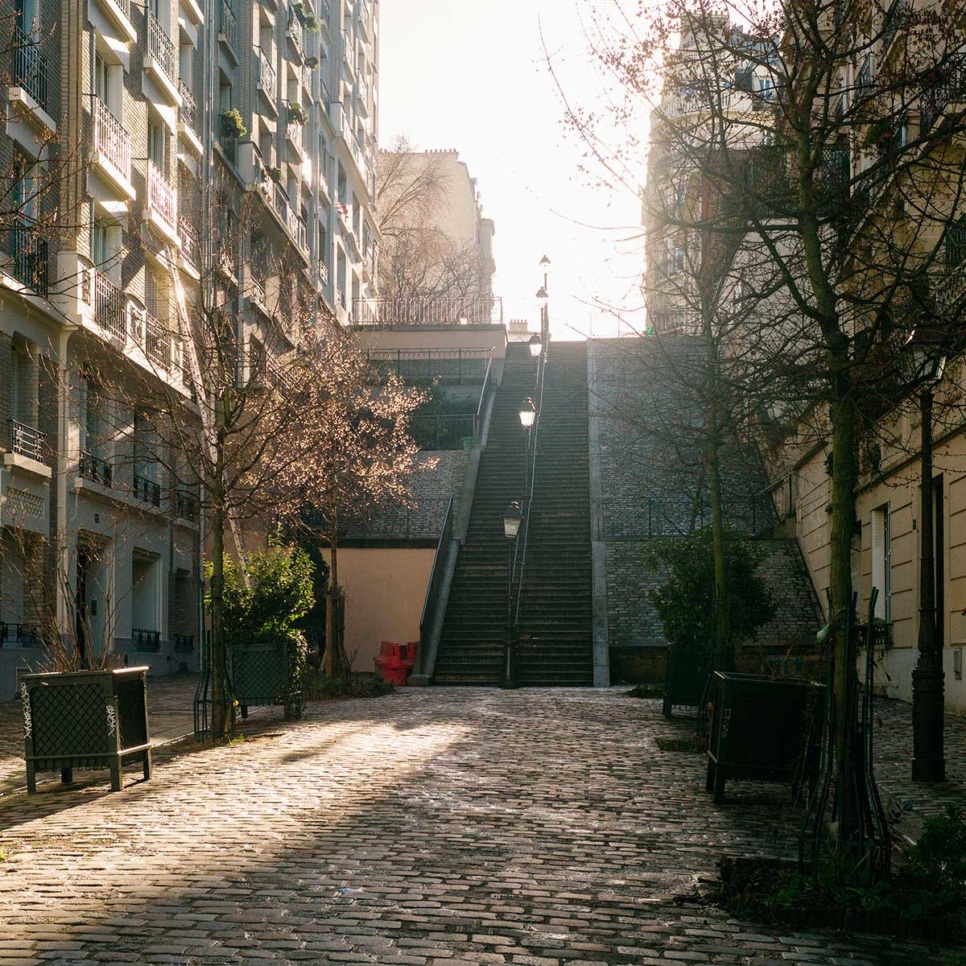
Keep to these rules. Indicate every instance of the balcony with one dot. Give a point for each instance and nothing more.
(294, 133)
(286, 213)
(188, 236)
(30, 254)
(267, 81)
(147, 491)
(146, 640)
(27, 441)
(186, 506)
(95, 469)
(30, 67)
(19, 635)
(158, 343)
(428, 311)
(296, 36)
(110, 311)
(119, 13)
(228, 29)
(112, 149)
(162, 207)
(162, 60)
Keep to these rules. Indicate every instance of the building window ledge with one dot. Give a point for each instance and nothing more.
(119, 13)
(107, 169)
(194, 11)
(27, 464)
(187, 134)
(23, 104)
(157, 73)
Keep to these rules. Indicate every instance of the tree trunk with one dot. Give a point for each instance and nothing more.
(220, 718)
(333, 628)
(843, 482)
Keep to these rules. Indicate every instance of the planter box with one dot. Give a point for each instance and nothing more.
(85, 719)
(687, 677)
(259, 676)
(763, 729)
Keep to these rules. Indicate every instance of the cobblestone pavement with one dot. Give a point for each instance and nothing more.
(431, 826)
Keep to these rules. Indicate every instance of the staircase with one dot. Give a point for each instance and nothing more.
(555, 645)
(555, 626)
(474, 629)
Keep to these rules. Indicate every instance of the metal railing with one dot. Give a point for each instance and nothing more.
(189, 105)
(433, 590)
(160, 47)
(30, 66)
(111, 140)
(188, 236)
(295, 32)
(228, 24)
(294, 224)
(295, 132)
(27, 441)
(162, 197)
(950, 88)
(489, 388)
(443, 431)
(31, 257)
(186, 506)
(774, 503)
(430, 364)
(147, 490)
(184, 643)
(157, 342)
(19, 634)
(420, 522)
(146, 640)
(428, 311)
(267, 77)
(109, 307)
(95, 469)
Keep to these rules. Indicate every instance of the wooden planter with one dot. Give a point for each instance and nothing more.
(763, 729)
(687, 676)
(85, 719)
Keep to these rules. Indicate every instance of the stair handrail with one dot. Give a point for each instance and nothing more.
(521, 550)
(481, 408)
(431, 601)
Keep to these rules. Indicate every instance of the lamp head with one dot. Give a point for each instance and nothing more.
(512, 518)
(927, 352)
(542, 297)
(528, 413)
(535, 345)
(545, 263)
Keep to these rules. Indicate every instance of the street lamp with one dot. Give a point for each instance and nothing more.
(543, 298)
(512, 518)
(926, 350)
(528, 416)
(536, 345)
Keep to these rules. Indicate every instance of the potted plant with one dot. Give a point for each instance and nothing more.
(233, 124)
(311, 23)
(78, 710)
(266, 649)
(276, 174)
(296, 114)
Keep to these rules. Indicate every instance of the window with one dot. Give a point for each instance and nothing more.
(28, 17)
(100, 250)
(158, 144)
(882, 562)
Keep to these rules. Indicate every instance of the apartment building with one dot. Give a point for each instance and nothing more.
(876, 155)
(157, 159)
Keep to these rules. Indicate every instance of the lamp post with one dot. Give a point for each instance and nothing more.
(512, 518)
(528, 416)
(536, 346)
(544, 298)
(926, 349)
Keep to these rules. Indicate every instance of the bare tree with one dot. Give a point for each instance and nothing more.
(816, 142)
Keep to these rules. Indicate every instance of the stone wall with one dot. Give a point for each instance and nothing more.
(651, 461)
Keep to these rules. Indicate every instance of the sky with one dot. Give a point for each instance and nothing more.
(472, 75)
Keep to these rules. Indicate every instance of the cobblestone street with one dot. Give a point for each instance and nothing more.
(535, 827)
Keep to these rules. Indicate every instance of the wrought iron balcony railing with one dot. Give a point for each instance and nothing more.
(184, 643)
(27, 441)
(295, 32)
(111, 140)
(186, 506)
(146, 639)
(267, 77)
(228, 25)
(157, 342)
(161, 47)
(147, 490)
(20, 635)
(162, 198)
(95, 469)
(30, 66)
(31, 257)
(109, 308)
(188, 235)
(189, 105)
